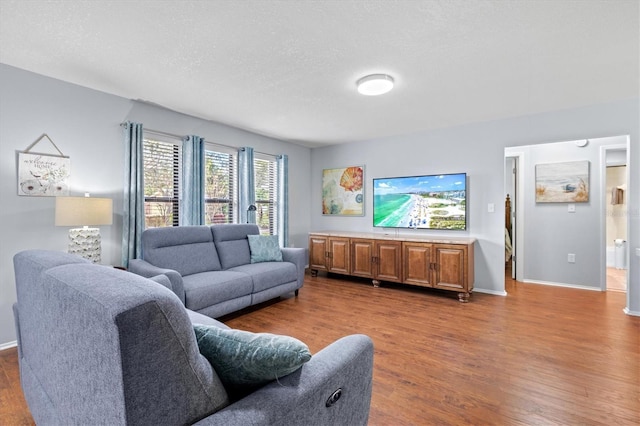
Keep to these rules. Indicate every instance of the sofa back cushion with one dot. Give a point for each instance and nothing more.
(186, 249)
(232, 243)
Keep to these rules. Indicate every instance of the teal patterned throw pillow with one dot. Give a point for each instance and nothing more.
(242, 358)
(264, 248)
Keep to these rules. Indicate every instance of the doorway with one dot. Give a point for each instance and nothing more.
(616, 218)
(550, 263)
(510, 218)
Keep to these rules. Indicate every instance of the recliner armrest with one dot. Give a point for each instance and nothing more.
(303, 397)
(147, 270)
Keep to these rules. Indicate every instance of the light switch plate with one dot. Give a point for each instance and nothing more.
(638, 252)
(571, 208)
(491, 208)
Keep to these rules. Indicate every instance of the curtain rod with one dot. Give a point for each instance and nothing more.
(171, 135)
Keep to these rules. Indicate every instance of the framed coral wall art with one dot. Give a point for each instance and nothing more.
(562, 182)
(41, 175)
(343, 191)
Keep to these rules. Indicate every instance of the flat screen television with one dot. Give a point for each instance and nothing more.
(421, 202)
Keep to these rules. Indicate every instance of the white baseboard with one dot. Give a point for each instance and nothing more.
(576, 286)
(8, 345)
(630, 312)
(494, 292)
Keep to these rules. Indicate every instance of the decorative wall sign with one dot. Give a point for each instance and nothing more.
(562, 182)
(343, 191)
(43, 175)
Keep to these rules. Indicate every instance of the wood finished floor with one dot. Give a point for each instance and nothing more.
(541, 356)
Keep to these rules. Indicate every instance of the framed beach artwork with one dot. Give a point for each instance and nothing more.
(562, 182)
(343, 191)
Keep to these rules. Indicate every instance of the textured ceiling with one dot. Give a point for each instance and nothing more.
(287, 69)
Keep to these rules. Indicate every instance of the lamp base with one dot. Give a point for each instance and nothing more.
(85, 242)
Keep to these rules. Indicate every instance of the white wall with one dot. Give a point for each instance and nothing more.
(478, 150)
(85, 125)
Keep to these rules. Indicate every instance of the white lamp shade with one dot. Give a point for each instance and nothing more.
(83, 211)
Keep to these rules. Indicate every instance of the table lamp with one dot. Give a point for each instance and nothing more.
(84, 211)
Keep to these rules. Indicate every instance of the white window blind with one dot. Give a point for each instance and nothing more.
(162, 164)
(220, 184)
(265, 171)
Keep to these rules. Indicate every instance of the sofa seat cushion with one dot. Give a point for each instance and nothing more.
(266, 275)
(210, 288)
(198, 318)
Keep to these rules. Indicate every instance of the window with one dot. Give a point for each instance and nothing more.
(162, 174)
(220, 180)
(265, 175)
(162, 164)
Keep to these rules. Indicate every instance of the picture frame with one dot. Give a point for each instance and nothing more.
(343, 191)
(43, 175)
(566, 182)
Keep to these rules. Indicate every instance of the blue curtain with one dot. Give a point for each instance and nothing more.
(282, 162)
(133, 203)
(192, 191)
(246, 186)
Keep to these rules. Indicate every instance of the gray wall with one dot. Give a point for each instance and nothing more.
(479, 150)
(85, 125)
(551, 232)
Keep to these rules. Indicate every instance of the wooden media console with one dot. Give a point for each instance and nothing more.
(445, 263)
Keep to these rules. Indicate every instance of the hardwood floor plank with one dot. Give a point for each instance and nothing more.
(13, 407)
(540, 356)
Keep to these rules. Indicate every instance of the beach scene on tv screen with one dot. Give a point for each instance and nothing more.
(427, 202)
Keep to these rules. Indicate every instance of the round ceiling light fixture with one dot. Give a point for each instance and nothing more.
(375, 84)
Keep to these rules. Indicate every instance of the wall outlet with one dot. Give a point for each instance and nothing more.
(571, 258)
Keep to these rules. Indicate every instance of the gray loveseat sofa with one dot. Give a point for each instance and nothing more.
(97, 345)
(210, 267)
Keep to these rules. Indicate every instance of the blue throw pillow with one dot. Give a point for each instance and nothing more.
(264, 248)
(245, 359)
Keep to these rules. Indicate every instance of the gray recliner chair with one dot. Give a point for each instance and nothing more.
(98, 345)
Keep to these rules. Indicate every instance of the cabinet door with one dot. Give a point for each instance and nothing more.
(362, 253)
(339, 255)
(450, 267)
(318, 253)
(388, 260)
(417, 260)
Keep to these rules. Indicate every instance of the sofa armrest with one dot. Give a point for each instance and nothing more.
(147, 270)
(302, 398)
(297, 256)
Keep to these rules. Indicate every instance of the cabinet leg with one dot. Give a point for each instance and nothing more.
(463, 297)
(376, 283)
(314, 272)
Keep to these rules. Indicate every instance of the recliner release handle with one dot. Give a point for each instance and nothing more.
(335, 396)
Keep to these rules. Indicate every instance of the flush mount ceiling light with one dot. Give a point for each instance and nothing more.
(375, 84)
